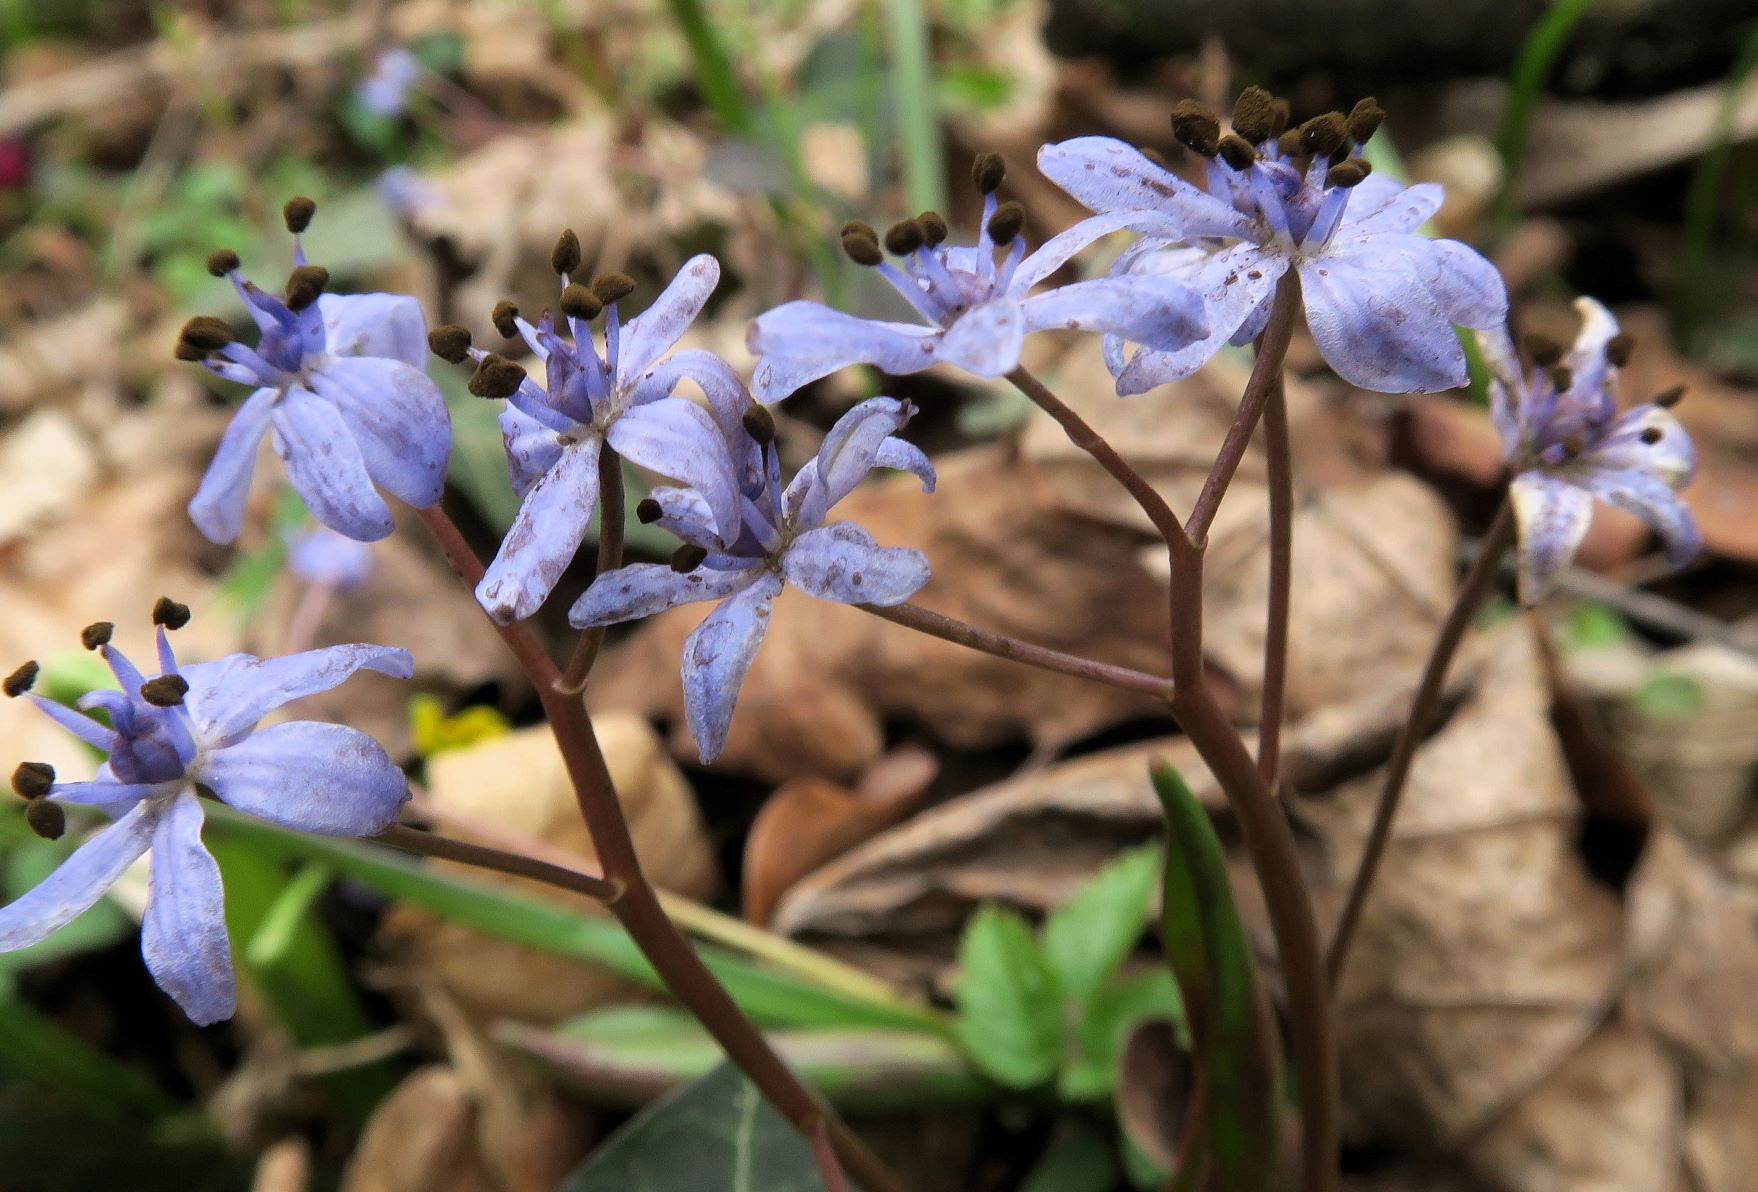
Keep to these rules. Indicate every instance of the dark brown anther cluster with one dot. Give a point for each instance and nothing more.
(610, 287)
(1007, 222)
(759, 424)
(1197, 128)
(578, 302)
(495, 376)
(687, 558)
(565, 258)
(903, 237)
(166, 691)
(648, 511)
(1619, 347)
(45, 818)
(861, 243)
(988, 171)
(222, 261)
(1669, 398)
(297, 212)
(170, 613)
(503, 317)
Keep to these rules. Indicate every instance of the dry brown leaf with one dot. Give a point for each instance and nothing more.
(1153, 1091)
(513, 791)
(422, 1138)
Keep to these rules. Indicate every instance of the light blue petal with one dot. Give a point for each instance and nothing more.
(1670, 458)
(217, 509)
(1161, 313)
(326, 467)
(905, 456)
(1551, 517)
(842, 562)
(183, 933)
(398, 419)
(542, 540)
(849, 451)
(1060, 248)
(388, 325)
(802, 341)
(1381, 204)
(679, 440)
(1109, 175)
(227, 697)
(716, 657)
(727, 397)
(985, 340)
(313, 777)
(532, 448)
(1649, 498)
(80, 881)
(662, 324)
(1376, 323)
(1467, 288)
(644, 589)
(1233, 283)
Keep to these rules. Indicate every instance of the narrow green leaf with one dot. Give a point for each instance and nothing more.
(1539, 53)
(915, 96)
(1009, 1000)
(37, 1053)
(1088, 937)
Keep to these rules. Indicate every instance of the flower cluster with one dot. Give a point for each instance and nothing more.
(169, 736)
(1567, 443)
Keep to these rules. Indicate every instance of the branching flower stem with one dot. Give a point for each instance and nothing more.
(638, 908)
(1473, 590)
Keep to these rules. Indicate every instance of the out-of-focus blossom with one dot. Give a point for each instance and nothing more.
(322, 556)
(1381, 299)
(385, 92)
(1567, 443)
(167, 733)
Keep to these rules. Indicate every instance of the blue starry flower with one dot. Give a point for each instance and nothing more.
(747, 536)
(185, 728)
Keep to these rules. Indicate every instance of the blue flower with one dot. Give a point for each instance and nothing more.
(339, 390)
(198, 725)
(1567, 443)
(555, 432)
(1381, 299)
(322, 556)
(385, 92)
(746, 536)
(978, 311)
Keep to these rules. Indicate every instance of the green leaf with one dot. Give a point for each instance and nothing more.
(1091, 1074)
(1671, 694)
(1088, 937)
(39, 1054)
(716, 1135)
(1009, 1000)
(1594, 626)
(1078, 1160)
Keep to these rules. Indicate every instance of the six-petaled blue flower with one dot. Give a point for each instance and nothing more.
(746, 536)
(1380, 298)
(1567, 443)
(197, 725)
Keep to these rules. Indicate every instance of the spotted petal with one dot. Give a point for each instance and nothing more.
(313, 777)
(843, 562)
(800, 342)
(398, 419)
(716, 657)
(1375, 320)
(1232, 283)
(387, 325)
(1109, 175)
(1551, 516)
(1162, 313)
(662, 324)
(644, 589)
(326, 466)
(541, 542)
(227, 697)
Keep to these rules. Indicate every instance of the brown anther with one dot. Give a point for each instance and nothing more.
(1323, 135)
(305, 285)
(1652, 435)
(1006, 223)
(1254, 114)
(1573, 445)
(170, 613)
(1364, 120)
(504, 317)
(166, 691)
(934, 229)
(1562, 378)
(687, 558)
(1349, 172)
(903, 237)
(1670, 398)
(859, 227)
(988, 171)
(96, 634)
(1288, 143)
(204, 333)
(495, 376)
(450, 343)
(20, 680)
(33, 780)
(1280, 117)
(1196, 128)
(222, 261)
(759, 424)
(609, 287)
(46, 818)
(862, 247)
(566, 256)
(297, 211)
(648, 511)
(1619, 347)
(188, 352)
(1237, 152)
(1544, 350)
(580, 303)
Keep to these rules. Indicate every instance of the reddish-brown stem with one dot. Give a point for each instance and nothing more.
(638, 908)
(1281, 477)
(564, 877)
(1473, 590)
(1265, 374)
(610, 557)
(1001, 645)
(824, 1155)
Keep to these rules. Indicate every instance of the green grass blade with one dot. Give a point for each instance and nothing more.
(714, 71)
(917, 102)
(1544, 44)
(1693, 297)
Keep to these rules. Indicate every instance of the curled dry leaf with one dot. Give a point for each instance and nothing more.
(421, 1139)
(513, 791)
(1154, 1091)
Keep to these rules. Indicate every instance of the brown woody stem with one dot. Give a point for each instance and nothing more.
(1281, 589)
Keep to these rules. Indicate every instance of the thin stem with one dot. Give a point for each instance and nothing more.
(1082, 435)
(639, 910)
(1281, 476)
(611, 521)
(481, 856)
(824, 1155)
(1265, 373)
(1476, 586)
(914, 616)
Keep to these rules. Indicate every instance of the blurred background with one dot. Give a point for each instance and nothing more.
(1552, 988)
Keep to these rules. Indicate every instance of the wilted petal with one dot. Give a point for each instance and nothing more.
(643, 589)
(398, 419)
(662, 324)
(1108, 175)
(542, 540)
(1552, 517)
(1649, 498)
(843, 562)
(679, 440)
(227, 697)
(389, 325)
(986, 339)
(217, 509)
(716, 657)
(1586, 359)
(1374, 320)
(313, 777)
(80, 881)
(1232, 283)
(183, 933)
(905, 456)
(326, 467)
(849, 451)
(802, 341)
(1161, 313)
